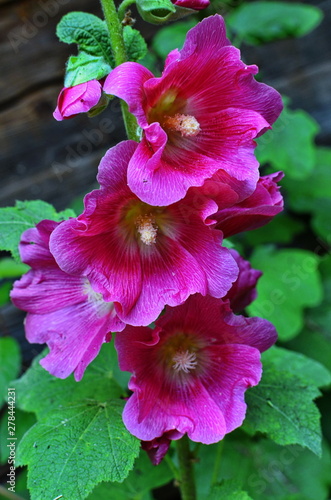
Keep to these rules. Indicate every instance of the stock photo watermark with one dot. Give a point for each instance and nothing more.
(11, 438)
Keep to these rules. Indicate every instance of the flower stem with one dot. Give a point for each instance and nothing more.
(123, 8)
(187, 481)
(115, 31)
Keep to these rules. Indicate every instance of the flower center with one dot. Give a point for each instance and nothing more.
(146, 228)
(187, 125)
(184, 361)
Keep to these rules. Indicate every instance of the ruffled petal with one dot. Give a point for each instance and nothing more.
(127, 82)
(232, 370)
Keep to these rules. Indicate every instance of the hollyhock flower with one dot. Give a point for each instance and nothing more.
(200, 116)
(78, 99)
(192, 4)
(138, 256)
(243, 290)
(256, 210)
(191, 371)
(63, 311)
(158, 447)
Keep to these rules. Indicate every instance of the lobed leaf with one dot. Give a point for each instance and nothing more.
(38, 391)
(89, 32)
(290, 145)
(281, 406)
(15, 220)
(290, 282)
(71, 449)
(139, 482)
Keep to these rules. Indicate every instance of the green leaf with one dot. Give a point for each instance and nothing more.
(74, 448)
(85, 67)
(171, 37)
(305, 195)
(10, 362)
(38, 391)
(141, 479)
(315, 339)
(290, 146)
(282, 229)
(229, 490)
(135, 45)
(23, 422)
(9, 268)
(290, 282)
(311, 372)
(5, 289)
(264, 469)
(281, 406)
(89, 32)
(25, 214)
(261, 22)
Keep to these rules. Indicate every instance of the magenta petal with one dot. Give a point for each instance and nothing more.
(243, 290)
(126, 81)
(74, 335)
(256, 210)
(78, 99)
(235, 368)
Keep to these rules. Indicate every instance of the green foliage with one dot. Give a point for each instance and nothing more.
(89, 32)
(313, 194)
(143, 478)
(25, 214)
(229, 490)
(95, 59)
(289, 146)
(289, 283)
(79, 439)
(261, 22)
(5, 293)
(9, 268)
(73, 448)
(98, 383)
(171, 37)
(85, 67)
(282, 404)
(282, 229)
(135, 45)
(267, 470)
(264, 469)
(10, 363)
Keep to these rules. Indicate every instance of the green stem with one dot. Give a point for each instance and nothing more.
(123, 8)
(187, 482)
(217, 463)
(115, 31)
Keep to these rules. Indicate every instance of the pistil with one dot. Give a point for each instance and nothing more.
(187, 125)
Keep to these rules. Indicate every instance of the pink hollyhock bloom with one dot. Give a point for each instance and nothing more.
(158, 447)
(63, 311)
(256, 210)
(191, 371)
(138, 256)
(78, 99)
(192, 4)
(243, 290)
(200, 116)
